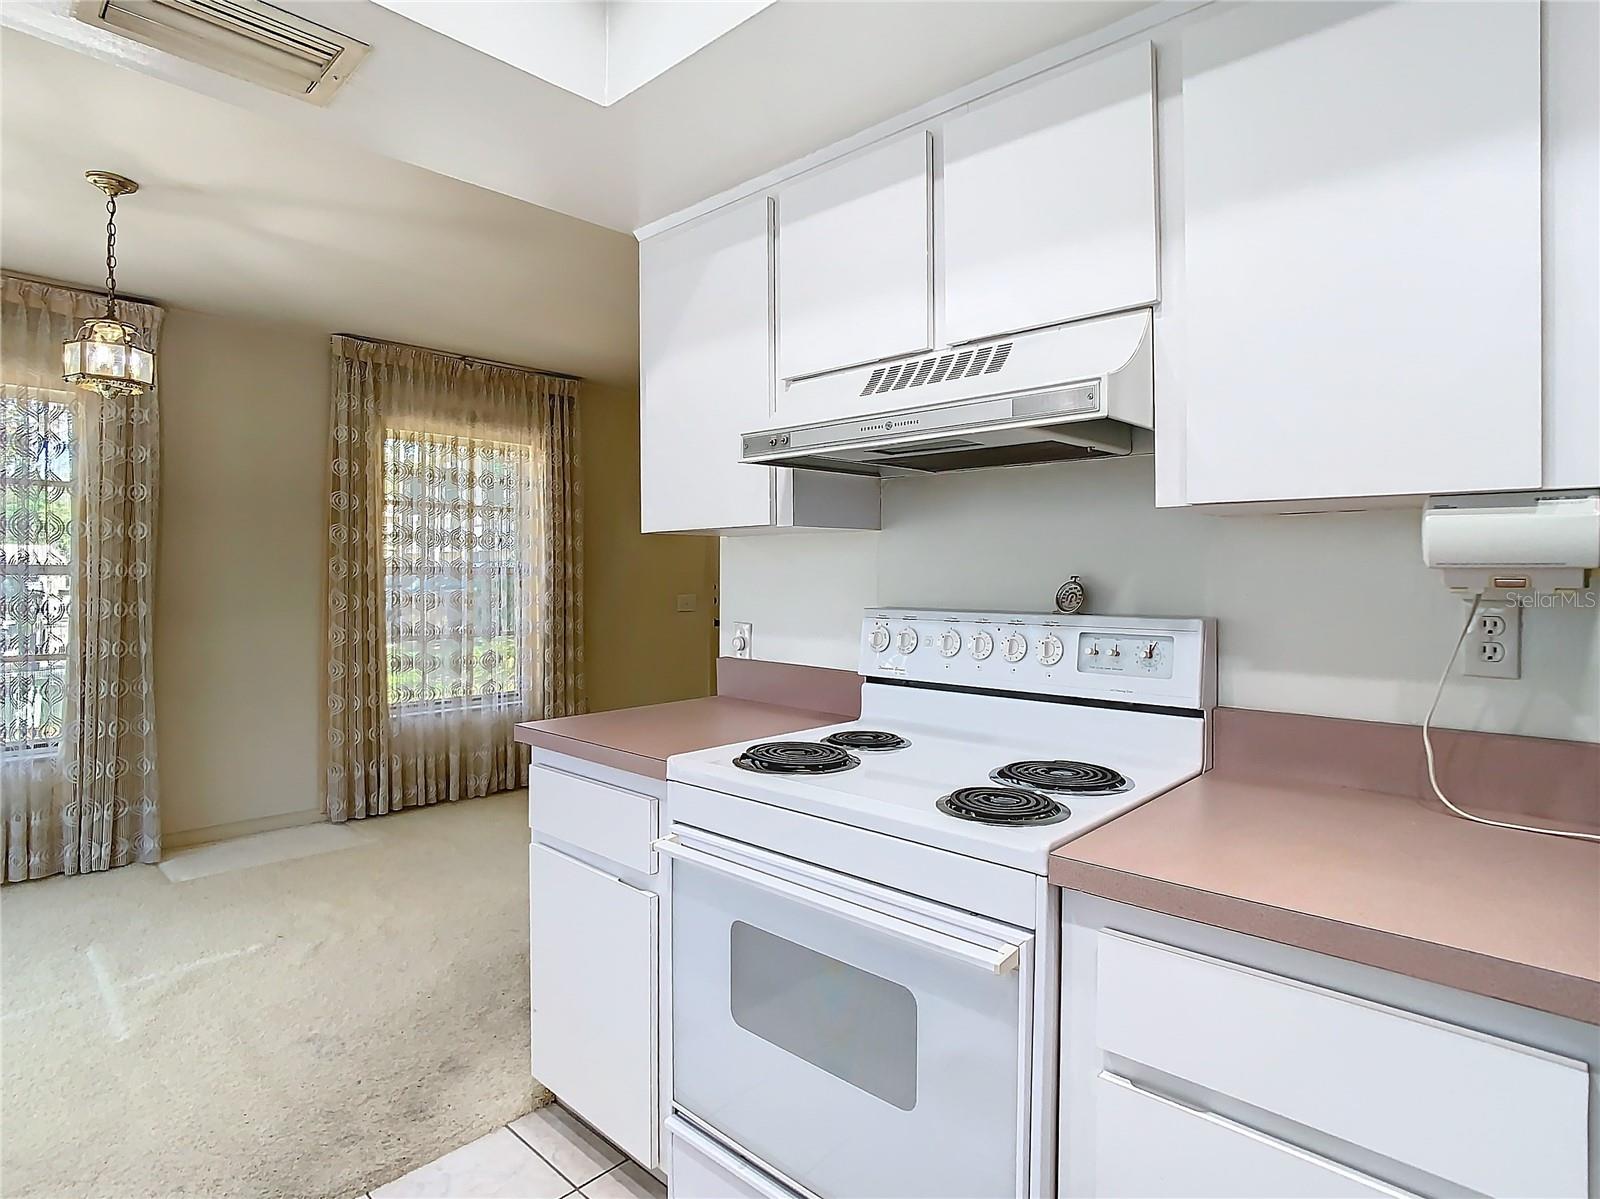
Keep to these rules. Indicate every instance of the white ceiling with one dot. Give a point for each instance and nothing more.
(598, 49)
(792, 79)
(241, 214)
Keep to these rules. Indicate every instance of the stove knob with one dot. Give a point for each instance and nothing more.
(879, 640)
(982, 646)
(1016, 647)
(949, 643)
(906, 641)
(1050, 650)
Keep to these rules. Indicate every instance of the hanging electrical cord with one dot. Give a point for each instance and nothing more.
(1427, 748)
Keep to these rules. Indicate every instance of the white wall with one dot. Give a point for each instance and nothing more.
(1329, 614)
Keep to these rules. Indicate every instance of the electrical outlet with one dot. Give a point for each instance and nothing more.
(1494, 644)
(739, 642)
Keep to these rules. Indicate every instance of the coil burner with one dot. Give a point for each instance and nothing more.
(1070, 778)
(796, 757)
(869, 740)
(1003, 805)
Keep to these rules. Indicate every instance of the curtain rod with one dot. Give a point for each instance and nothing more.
(67, 285)
(469, 359)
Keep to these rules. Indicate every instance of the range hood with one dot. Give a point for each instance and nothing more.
(1074, 391)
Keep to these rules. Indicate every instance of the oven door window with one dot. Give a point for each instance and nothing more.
(847, 1053)
(858, 1027)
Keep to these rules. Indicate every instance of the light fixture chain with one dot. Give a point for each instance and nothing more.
(111, 256)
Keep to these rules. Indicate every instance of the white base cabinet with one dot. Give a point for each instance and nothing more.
(594, 958)
(1197, 1062)
(593, 1017)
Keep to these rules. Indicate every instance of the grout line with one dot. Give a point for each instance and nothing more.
(543, 1158)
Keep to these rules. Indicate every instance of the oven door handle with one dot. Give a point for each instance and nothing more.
(993, 959)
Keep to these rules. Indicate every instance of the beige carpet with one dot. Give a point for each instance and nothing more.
(312, 1027)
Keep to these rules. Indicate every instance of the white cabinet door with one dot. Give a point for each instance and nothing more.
(1571, 245)
(1049, 206)
(1361, 240)
(854, 267)
(593, 977)
(705, 362)
(1149, 1147)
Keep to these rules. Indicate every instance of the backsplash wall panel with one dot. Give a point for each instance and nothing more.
(1330, 614)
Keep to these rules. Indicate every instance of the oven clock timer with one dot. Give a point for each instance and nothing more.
(1104, 654)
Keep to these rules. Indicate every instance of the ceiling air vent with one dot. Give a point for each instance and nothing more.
(243, 38)
(937, 369)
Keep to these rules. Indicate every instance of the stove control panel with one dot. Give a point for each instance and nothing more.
(1161, 661)
(1106, 654)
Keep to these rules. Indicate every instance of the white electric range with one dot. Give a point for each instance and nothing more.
(863, 952)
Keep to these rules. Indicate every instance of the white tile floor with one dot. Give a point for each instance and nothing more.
(547, 1154)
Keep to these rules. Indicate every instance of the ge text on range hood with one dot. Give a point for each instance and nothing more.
(1074, 391)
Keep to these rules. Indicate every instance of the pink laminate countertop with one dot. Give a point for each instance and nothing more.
(1387, 880)
(640, 740)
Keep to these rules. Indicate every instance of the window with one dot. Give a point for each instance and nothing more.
(454, 533)
(36, 532)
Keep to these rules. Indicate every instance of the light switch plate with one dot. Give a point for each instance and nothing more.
(686, 603)
(1493, 648)
(739, 639)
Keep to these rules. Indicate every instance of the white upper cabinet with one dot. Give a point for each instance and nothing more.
(1361, 241)
(705, 359)
(1049, 204)
(854, 263)
(706, 371)
(1571, 245)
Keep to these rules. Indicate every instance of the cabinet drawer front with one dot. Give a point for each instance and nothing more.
(1148, 1147)
(592, 974)
(615, 824)
(1443, 1099)
(703, 1169)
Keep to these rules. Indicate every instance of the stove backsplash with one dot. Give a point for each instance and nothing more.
(1331, 614)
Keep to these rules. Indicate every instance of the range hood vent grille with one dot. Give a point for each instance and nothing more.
(247, 39)
(938, 368)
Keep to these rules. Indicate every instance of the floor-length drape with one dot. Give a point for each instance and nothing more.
(78, 784)
(455, 562)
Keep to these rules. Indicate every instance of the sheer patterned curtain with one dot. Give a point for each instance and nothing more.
(454, 573)
(78, 484)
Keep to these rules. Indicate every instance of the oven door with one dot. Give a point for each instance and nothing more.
(852, 1040)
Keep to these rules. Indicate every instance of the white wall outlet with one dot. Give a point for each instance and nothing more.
(1494, 643)
(739, 641)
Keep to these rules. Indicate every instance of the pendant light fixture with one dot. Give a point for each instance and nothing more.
(109, 355)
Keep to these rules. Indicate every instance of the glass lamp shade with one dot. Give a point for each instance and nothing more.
(107, 357)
